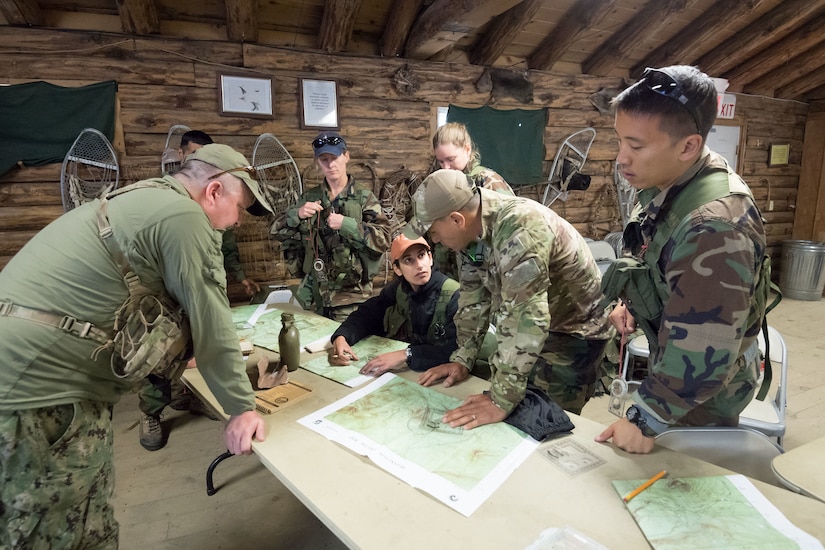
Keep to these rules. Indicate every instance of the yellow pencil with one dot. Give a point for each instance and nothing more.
(645, 485)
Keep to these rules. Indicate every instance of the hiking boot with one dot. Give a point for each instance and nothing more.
(151, 433)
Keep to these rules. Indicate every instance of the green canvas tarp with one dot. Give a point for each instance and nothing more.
(40, 121)
(510, 142)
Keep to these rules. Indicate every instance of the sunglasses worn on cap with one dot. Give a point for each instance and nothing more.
(251, 170)
(326, 140)
(662, 83)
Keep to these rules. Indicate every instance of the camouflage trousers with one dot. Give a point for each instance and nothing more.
(156, 394)
(567, 369)
(56, 478)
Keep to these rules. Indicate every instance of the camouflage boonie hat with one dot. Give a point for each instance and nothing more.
(440, 193)
(229, 161)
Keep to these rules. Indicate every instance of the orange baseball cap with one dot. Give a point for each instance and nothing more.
(401, 243)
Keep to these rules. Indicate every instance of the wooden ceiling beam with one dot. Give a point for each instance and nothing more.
(799, 87)
(502, 31)
(793, 69)
(445, 22)
(817, 98)
(139, 16)
(242, 20)
(399, 22)
(681, 48)
(758, 35)
(652, 17)
(336, 24)
(779, 54)
(21, 12)
(577, 20)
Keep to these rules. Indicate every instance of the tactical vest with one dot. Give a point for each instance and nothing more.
(342, 268)
(151, 333)
(640, 283)
(398, 318)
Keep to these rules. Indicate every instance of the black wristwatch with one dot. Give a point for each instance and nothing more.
(409, 355)
(635, 417)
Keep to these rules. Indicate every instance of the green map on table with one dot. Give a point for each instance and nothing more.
(708, 512)
(350, 375)
(397, 424)
(267, 325)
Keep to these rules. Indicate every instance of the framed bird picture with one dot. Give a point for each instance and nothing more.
(245, 95)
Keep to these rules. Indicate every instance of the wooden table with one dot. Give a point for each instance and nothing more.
(367, 507)
(800, 469)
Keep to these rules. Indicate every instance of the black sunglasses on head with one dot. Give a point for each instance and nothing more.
(317, 143)
(660, 82)
(251, 170)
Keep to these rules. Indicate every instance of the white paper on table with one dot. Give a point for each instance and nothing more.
(772, 514)
(320, 344)
(514, 446)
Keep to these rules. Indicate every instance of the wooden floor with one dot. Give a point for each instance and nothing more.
(161, 502)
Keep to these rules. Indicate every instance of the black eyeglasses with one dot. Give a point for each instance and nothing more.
(251, 170)
(317, 143)
(662, 83)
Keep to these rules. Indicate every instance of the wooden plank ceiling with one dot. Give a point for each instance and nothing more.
(774, 48)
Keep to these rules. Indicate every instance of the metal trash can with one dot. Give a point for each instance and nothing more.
(802, 276)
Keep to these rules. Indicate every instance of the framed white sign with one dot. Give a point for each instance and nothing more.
(319, 104)
(245, 95)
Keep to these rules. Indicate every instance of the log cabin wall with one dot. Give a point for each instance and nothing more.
(166, 82)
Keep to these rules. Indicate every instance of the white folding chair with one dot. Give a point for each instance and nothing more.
(637, 347)
(741, 450)
(603, 253)
(280, 296)
(768, 416)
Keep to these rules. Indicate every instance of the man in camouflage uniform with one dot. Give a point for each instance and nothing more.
(58, 298)
(334, 237)
(700, 289)
(158, 392)
(528, 272)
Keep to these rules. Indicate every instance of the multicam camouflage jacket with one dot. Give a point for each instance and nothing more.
(711, 266)
(337, 267)
(532, 273)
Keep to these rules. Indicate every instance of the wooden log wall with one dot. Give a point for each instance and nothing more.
(166, 82)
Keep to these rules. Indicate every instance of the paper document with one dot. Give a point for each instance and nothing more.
(350, 375)
(725, 512)
(397, 424)
(261, 325)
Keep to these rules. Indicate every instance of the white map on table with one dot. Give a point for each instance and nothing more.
(261, 325)
(350, 375)
(397, 424)
(724, 512)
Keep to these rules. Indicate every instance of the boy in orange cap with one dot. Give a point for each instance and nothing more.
(417, 307)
